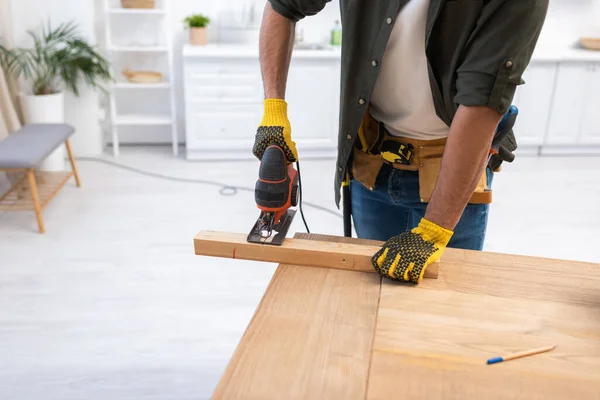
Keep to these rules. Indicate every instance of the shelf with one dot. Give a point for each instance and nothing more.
(18, 197)
(117, 21)
(130, 85)
(137, 11)
(141, 49)
(141, 119)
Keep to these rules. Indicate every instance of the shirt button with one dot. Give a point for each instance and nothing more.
(340, 169)
(389, 20)
(374, 63)
(509, 64)
(361, 101)
(349, 137)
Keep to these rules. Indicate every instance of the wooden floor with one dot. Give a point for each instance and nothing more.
(112, 302)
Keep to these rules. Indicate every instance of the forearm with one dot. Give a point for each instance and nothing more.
(275, 49)
(464, 159)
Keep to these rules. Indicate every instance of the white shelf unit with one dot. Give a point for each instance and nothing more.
(161, 14)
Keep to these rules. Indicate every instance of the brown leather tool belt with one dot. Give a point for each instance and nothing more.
(425, 158)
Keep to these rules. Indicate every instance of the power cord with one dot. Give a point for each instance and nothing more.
(300, 197)
(224, 189)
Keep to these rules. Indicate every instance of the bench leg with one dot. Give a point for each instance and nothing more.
(73, 166)
(36, 200)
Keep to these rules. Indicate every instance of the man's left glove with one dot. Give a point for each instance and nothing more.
(406, 257)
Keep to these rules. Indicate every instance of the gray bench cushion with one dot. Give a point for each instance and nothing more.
(30, 145)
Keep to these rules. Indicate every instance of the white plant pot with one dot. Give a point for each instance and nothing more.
(42, 109)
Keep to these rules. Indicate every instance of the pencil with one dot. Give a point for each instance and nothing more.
(520, 354)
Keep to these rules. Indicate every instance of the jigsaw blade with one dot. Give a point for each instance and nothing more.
(276, 232)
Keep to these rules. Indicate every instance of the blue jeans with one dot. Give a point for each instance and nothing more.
(394, 207)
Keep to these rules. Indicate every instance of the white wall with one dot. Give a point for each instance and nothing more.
(568, 20)
(81, 112)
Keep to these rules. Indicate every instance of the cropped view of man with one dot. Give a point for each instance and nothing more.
(425, 86)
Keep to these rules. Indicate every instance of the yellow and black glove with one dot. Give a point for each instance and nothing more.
(406, 257)
(275, 128)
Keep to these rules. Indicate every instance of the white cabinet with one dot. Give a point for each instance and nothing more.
(221, 127)
(575, 117)
(313, 105)
(224, 101)
(568, 105)
(534, 100)
(222, 80)
(559, 104)
(590, 124)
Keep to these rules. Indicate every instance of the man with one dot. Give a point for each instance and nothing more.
(425, 84)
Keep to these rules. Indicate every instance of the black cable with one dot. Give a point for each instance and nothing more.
(300, 197)
(225, 190)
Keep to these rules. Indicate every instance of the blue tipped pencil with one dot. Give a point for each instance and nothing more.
(521, 354)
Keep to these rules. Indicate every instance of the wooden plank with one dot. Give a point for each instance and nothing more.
(311, 338)
(338, 254)
(436, 338)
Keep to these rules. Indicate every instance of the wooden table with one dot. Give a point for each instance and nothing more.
(322, 333)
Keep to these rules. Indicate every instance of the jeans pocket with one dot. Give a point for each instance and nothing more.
(403, 187)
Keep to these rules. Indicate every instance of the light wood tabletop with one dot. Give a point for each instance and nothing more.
(322, 333)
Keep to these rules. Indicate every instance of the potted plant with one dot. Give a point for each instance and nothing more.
(60, 59)
(197, 24)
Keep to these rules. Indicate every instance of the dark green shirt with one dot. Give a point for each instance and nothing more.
(477, 51)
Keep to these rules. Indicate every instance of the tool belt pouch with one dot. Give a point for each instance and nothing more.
(427, 160)
(366, 160)
(429, 171)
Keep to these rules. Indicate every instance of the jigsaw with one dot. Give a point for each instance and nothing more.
(275, 192)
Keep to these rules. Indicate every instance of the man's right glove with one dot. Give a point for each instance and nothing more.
(275, 128)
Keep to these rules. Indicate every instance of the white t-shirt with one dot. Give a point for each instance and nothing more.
(402, 97)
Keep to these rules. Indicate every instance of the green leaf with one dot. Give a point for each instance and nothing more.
(196, 21)
(59, 57)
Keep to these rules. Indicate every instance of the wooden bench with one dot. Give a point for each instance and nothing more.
(24, 151)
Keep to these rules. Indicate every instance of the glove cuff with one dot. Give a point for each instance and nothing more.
(432, 232)
(275, 112)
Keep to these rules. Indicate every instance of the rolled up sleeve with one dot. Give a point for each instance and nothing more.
(298, 9)
(498, 53)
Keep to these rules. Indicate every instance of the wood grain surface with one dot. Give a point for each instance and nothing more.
(310, 338)
(436, 338)
(315, 334)
(313, 251)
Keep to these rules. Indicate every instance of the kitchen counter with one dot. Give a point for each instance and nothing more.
(564, 54)
(542, 53)
(246, 51)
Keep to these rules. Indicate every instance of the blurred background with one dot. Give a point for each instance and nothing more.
(111, 302)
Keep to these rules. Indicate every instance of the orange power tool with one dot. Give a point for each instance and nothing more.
(275, 192)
